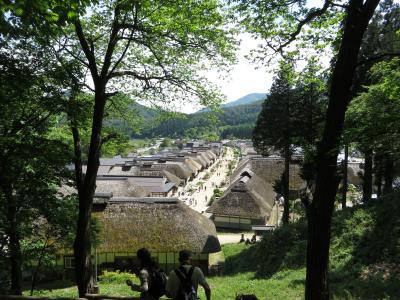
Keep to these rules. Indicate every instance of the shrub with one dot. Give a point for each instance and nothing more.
(116, 277)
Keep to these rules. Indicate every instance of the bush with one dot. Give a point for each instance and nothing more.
(116, 277)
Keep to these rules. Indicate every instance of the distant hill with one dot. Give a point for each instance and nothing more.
(245, 100)
(248, 99)
(236, 120)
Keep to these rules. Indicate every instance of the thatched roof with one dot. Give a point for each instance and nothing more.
(121, 171)
(67, 189)
(176, 168)
(352, 172)
(120, 187)
(269, 169)
(199, 159)
(153, 184)
(171, 177)
(103, 170)
(145, 172)
(205, 157)
(249, 196)
(211, 154)
(193, 165)
(160, 224)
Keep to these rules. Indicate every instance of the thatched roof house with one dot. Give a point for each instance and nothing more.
(198, 158)
(269, 169)
(163, 225)
(146, 165)
(247, 202)
(177, 168)
(191, 165)
(160, 224)
(103, 170)
(120, 187)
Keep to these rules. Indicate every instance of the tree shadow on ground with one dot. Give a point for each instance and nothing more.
(281, 249)
(372, 270)
(50, 285)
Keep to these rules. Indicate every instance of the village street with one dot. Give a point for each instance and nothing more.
(203, 188)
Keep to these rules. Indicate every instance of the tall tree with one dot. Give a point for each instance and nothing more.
(374, 115)
(280, 24)
(151, 49)
(31, 164)
(291, 117)
(380, 42)
(273, 127)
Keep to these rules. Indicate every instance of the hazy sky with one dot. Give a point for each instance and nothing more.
(244, 77)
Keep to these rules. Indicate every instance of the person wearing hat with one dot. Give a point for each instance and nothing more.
(178, 278)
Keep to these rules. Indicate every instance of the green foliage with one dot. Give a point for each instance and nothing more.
(116, 277)
(294, 110)
(279, 24)
(363, 257)
(166, 142)
(237, 121)
(216, 194)
(32, 162)
(372, 117)
(273, 127)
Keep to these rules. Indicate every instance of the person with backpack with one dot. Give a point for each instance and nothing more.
(183, 282)
(152, 279)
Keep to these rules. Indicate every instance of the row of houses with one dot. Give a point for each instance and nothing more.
(136, 206)
(249, 199)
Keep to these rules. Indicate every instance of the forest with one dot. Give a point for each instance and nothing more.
(234, 122)
(71, 70)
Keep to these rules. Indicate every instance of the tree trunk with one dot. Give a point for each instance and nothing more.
(36, 273)
(285, 185)
(320, 215)
(345, 179)
(388, 175)
(82, 244)
(14, 244)
(367, 177)
(378, 174)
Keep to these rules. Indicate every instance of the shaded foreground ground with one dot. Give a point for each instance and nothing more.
(364, 261)
(285, 285)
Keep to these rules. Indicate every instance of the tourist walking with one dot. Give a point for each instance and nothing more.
(183, 282)
(150, 288)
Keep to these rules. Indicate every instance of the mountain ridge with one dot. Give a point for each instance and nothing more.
(247, 99)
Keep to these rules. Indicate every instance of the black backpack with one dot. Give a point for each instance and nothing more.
(186, 289)
(157, 283)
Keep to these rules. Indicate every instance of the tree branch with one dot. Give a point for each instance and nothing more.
(111, 44)
(108, 138)
(85, 47)
(139, 76)
(378, 57)
(314, 13)
(77, 157)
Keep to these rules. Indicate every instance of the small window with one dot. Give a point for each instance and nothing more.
(69, 262)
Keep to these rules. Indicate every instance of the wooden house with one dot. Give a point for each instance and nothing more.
(163, 225)
(247, 202)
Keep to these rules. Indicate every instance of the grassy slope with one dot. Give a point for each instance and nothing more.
(364, 262)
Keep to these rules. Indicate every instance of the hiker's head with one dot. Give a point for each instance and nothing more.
(185, 256)
(144, 257)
